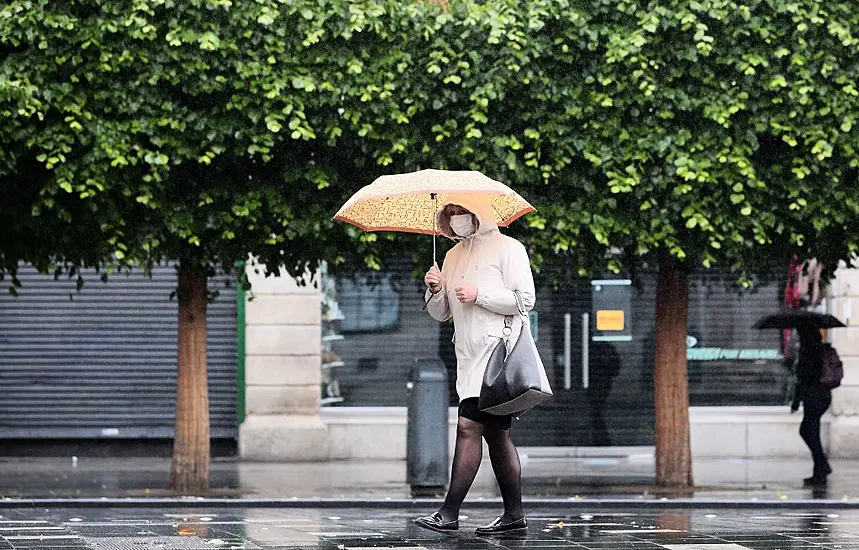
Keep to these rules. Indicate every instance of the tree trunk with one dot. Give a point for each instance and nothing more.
(190, 470)
(673, 449)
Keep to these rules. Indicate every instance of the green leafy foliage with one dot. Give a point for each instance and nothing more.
(718, 131)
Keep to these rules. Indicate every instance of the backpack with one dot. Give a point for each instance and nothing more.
(831, 368)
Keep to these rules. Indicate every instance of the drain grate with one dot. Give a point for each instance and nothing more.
(37, 534)
(166, 543)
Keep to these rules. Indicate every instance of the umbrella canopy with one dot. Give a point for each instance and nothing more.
(408, 202)
(798, 318)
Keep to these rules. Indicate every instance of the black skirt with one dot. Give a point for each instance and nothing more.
(468, 409)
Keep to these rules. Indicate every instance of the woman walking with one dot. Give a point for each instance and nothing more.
(477, 287)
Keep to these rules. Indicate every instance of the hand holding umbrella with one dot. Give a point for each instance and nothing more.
(433, 279)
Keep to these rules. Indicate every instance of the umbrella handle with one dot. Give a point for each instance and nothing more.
(435, 198)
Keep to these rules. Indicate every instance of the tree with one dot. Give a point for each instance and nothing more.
(680, 135)
(204, 130)
(687, 134)
(166, 131)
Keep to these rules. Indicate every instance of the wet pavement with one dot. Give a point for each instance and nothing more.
(628, 477)
(582, 503)
(358, 528)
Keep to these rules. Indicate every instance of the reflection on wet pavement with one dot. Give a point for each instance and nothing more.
(352, 529)
(562, 477)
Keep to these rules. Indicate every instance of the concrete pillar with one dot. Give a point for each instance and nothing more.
(282, 358)
(843, 302)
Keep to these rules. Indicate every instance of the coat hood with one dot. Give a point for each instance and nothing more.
(477, 204)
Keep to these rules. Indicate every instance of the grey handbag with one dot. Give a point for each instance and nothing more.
(514, 382)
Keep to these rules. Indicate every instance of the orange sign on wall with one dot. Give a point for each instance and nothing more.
(610, 319)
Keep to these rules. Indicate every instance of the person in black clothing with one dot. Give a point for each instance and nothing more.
(605, 363)
(815, 401)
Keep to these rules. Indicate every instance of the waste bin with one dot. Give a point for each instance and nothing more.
(426, 438)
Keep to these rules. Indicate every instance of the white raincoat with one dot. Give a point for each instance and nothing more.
(497, 265)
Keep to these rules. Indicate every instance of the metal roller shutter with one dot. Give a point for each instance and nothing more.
(102, 363)
(385, 330)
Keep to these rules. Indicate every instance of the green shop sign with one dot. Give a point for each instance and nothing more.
(715, 354)
(694, 353)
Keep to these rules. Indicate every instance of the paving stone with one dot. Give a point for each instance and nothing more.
(391, 529)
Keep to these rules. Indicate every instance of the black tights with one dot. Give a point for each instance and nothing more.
(466, 461)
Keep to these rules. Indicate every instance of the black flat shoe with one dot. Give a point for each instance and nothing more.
(435, 522)
(497, 528)
(814, 481)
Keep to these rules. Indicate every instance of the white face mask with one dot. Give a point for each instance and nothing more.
(462, 224)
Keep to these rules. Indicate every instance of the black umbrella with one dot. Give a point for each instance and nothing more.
(798, 318)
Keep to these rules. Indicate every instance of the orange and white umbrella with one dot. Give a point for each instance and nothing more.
(409, 202)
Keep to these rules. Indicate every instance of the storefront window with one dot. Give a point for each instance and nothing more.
(368, 305)
(730, 363)
(385, 329)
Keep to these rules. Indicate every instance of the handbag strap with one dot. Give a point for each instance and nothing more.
(508, 319)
